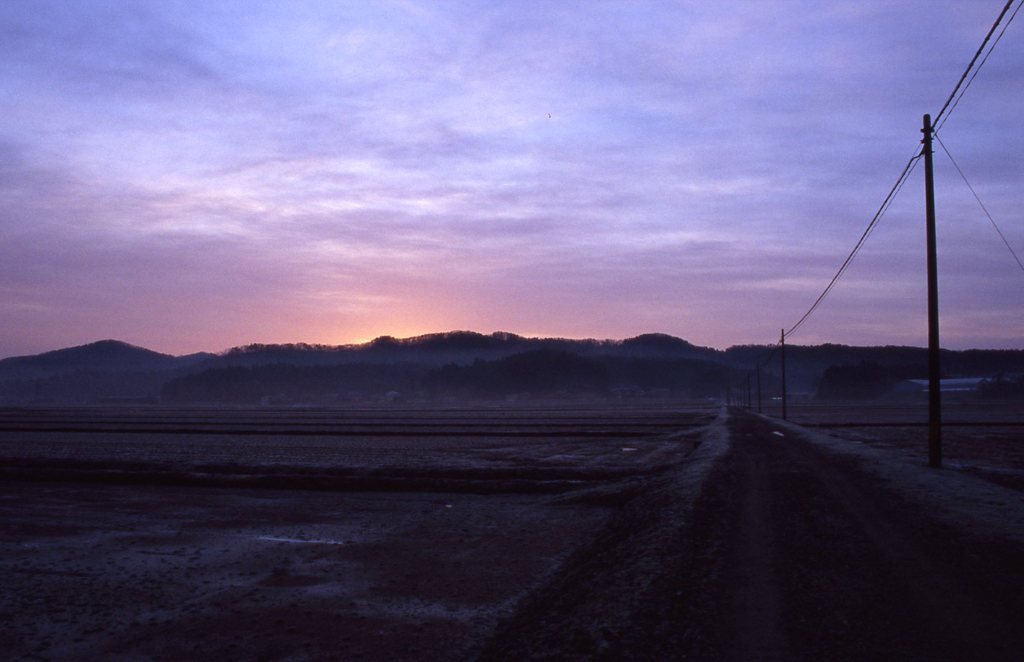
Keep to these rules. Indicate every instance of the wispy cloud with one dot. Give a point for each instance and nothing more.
(193, 176)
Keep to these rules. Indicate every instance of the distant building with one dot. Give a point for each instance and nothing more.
(955, 385)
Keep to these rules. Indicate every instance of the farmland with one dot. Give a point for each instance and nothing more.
(981, 438)
(500, 532)
(379, 534)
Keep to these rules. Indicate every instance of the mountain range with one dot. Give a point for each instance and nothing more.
(452, 365)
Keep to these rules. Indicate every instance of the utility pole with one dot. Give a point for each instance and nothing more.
(934, 383)
(758, 366)
(748, 390)
(782, 342)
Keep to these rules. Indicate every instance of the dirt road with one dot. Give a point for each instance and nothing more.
(790, 553)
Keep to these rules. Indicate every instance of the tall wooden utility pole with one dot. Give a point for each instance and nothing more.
(934, 383)
(782, 342)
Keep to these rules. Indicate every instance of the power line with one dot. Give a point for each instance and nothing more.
(970, 73)
(961, 87)
(981, 204)
(982, 64)
(907, 169)
(930, 130)
(970, 66)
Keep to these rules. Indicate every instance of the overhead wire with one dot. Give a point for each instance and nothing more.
(940, 116)
(980, 203)
(980, 65)
(959, 90)
(886, 203)
(968, 76)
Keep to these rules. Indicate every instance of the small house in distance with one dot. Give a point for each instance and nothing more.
(952, 385)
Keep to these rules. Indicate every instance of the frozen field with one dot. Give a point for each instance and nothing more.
(983, 439)
(493, 533)
(482, 450)
(167, 534)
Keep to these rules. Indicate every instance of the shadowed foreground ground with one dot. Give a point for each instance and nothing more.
(167, 535)
(789, 553)
(618, 536)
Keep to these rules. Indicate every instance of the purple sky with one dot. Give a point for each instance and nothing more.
(190, 176)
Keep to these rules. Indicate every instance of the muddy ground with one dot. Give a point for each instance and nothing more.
(611, 535)
(148, 535)
(94, 572)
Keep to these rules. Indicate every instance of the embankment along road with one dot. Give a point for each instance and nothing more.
(790, 552)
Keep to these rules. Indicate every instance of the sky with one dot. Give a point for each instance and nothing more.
(193, 176)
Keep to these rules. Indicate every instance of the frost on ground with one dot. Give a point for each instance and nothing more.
(950, 495)
(428, 528)
(612, 594)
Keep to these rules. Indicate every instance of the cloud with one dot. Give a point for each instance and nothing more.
(585, 168)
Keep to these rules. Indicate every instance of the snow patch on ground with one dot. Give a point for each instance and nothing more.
(300, 541)
(714, 443)
(953, 497)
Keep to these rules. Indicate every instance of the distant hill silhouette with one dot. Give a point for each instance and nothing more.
(100, 356)
(459, 347)
(662, 345)
(863, 381)
(461, 362)
(536, 372)
(99, 371)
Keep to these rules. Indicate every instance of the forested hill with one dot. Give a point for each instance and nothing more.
(453, 365)
(461, 347)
